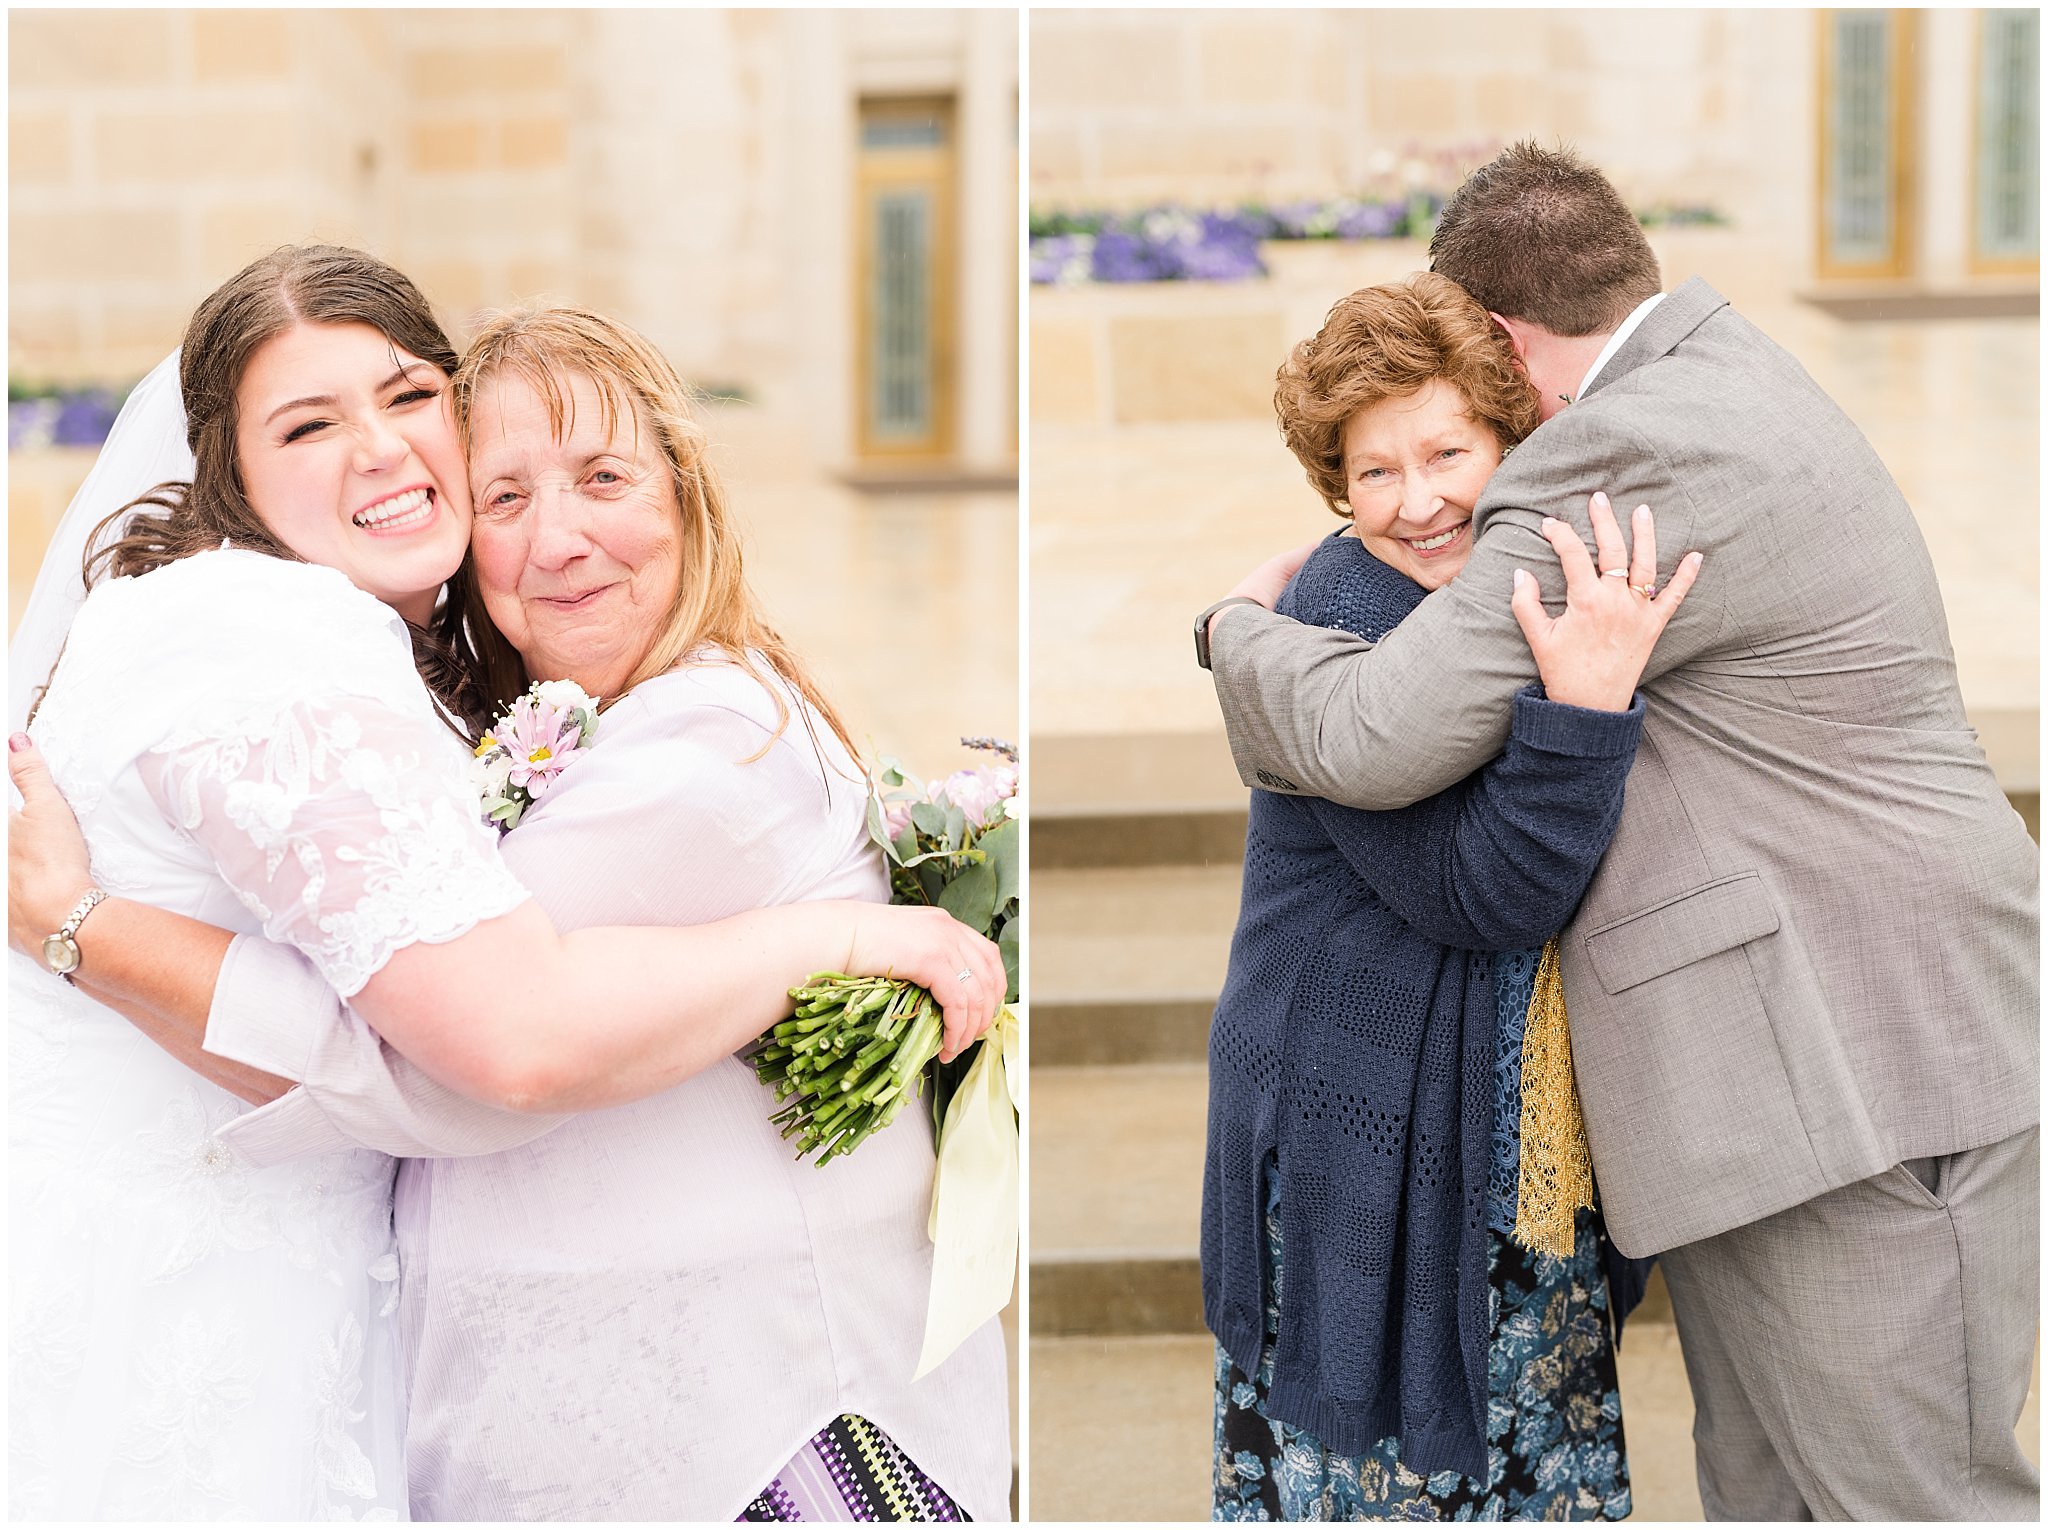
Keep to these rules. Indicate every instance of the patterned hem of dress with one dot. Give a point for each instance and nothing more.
(850, 1471)
(1555, 1447)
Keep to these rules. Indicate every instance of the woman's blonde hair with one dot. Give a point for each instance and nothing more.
(1388, 342)
(544, 346)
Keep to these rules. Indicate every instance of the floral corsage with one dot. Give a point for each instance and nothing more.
(530, 745)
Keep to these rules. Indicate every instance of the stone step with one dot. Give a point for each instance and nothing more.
(1126, 961)
(1106, 1032)
(1116, 1198)
(1121, 1428)
(1141, 799)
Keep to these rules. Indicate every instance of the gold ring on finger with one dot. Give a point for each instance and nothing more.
(1647, 591)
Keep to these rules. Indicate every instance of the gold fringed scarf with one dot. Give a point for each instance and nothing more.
(1556, 1174)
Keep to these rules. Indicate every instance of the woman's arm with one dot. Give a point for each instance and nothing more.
(518, 1015)
(188, 986)
(1499, 861)
(157, 969)
(510, 1013)
(692, 807)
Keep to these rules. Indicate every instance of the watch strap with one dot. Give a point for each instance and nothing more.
(92, 899)
(67, 933)
(1202, 624)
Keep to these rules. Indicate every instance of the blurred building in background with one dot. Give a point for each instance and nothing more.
(1896, 150)
(813, 212)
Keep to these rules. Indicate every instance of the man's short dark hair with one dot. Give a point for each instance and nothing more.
(1540, 235)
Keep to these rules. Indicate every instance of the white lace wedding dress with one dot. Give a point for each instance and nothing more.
(246, 741)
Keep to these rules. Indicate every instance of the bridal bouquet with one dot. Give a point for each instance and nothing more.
(857, 1049)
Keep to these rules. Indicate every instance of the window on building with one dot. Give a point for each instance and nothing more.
(907, 167)
(2008, 141)
(1867, 60)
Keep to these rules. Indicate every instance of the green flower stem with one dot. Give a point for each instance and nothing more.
(846, 1063)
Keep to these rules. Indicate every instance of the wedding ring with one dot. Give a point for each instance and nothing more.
(1647, 591)
(1614, 573)
(964, 975)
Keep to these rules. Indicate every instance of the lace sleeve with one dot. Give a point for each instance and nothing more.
(346, 823)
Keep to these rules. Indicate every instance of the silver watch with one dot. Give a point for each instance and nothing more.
(60, 951)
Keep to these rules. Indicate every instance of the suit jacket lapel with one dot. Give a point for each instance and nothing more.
(1682, 312)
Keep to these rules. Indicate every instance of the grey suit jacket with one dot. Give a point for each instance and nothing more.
(1811, 951)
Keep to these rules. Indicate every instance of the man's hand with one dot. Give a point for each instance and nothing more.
(48, 870)
(1593, 655)
(1264, 583)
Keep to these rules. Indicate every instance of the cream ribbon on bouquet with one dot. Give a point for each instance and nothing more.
(973, 1223)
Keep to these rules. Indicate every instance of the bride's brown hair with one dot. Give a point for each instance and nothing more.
(311, 284)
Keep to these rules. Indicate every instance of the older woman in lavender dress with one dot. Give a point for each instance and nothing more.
(650, 1311)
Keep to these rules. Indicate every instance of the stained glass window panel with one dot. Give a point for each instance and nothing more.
(2009, 135)
(1861, 209)
(900, 374)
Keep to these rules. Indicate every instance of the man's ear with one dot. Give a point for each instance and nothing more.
(1517, 337)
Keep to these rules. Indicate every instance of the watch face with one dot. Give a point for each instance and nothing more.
(59, 954)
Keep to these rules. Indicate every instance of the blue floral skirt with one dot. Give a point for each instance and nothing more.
(1554, 1446)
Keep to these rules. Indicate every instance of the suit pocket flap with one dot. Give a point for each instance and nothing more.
(1687, 929)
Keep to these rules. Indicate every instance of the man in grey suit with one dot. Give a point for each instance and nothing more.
(1803, 986)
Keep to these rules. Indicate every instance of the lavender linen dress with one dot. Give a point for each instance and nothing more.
(643, 1312)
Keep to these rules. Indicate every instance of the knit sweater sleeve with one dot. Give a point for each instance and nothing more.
(1499, 861)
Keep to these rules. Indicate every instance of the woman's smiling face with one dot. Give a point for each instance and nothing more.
(578, 544)
(349, 455)
(1413, 469)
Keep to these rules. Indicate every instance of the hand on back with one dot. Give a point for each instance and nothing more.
(1593, 654)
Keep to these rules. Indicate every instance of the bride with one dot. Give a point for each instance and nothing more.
(248, 736)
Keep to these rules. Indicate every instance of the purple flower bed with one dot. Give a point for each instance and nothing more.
(61, 416)
(1169, 244)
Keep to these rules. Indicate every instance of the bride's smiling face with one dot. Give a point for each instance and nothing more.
(349, 455)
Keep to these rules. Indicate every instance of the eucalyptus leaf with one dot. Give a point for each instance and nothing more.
(956, 826)
(878, 829)
(929, 817)
(1006, 943)
(1004, 847)
(971, 896)
(892, 773)
(964, 857)
(904, 850)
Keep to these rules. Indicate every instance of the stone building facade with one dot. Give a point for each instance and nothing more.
(701, 174)
(1800, 126)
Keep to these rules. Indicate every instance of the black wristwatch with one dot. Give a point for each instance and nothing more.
(1202, 624)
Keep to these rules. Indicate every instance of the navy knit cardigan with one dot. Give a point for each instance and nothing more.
(1352, 1055)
